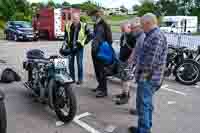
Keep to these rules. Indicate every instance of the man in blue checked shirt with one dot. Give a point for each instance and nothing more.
(150, 64)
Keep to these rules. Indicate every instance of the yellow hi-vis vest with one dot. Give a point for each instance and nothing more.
(81, 36)
(67, 27)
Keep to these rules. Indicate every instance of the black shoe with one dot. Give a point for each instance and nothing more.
(132, 130)
(95, 90)
(79, 82)
(122, 100)
(101, 94)
(119, 95)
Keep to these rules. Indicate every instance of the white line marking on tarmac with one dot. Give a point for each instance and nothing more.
(86, 126)
(196, 86)
(171, 102)
(110, 128)
(165, 87)
(82, 115)
(59, 123)
(83, 124)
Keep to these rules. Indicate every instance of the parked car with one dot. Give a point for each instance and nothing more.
(20, 30)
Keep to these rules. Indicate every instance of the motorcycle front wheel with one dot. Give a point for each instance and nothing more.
(3, 120)
(188, 72)
(65, 103)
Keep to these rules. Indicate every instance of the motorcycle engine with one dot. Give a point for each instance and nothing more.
(38, 75)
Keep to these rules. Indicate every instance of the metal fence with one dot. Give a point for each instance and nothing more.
(189, 41)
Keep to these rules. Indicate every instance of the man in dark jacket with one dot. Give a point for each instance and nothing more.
(102, 32)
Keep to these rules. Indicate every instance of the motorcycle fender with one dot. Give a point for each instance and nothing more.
(62, 79)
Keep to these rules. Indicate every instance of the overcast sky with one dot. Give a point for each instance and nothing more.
(105, 3)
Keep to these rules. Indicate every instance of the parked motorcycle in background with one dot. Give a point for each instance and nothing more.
(49, 81)
(181, 64)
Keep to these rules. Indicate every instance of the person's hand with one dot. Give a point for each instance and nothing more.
(147, 74)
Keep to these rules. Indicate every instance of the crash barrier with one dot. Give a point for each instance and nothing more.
(185, 40)
(190, 41)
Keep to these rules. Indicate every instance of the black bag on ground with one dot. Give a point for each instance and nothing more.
(9, 75)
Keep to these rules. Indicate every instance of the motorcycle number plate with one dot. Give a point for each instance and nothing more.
(60, 63)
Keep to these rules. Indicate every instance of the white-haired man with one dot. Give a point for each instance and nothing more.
(150, 63)
(76, 37)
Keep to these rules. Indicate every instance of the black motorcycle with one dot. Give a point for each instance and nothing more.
(197, 56)
(3, 118)
(180, 63)
(49, 81)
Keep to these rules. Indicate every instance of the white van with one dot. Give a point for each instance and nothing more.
(179, 24)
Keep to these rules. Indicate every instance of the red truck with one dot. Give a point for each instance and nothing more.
(50, 23)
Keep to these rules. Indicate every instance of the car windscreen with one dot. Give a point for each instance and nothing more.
(22, 24)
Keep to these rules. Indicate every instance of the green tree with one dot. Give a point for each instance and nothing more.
(136, 7)
(75, 5)
(123, 9)
(147, 6)
(51, 4)
(184, 6)
(57, 5)
(88, 6)
(15, 10)
(7, 9)
(195, 9)
(66, 4)
(167, 7)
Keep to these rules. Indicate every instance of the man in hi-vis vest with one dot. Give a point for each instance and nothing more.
(76, 36)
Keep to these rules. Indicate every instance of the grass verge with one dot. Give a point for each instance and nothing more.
(115, 28)
(117, 18)
(196, 34)
(1, 34)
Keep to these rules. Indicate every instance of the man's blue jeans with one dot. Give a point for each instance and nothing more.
(144, 105)
(79, 59)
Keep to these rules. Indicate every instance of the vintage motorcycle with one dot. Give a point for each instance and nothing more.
(181, 64)
(49, 81)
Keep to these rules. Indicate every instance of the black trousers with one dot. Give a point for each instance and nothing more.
(100, 74)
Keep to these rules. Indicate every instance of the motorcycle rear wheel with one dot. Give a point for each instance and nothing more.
(65, 103)
(188, 72)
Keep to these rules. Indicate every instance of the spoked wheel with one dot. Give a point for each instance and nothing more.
(65, 103)
(188, 72)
